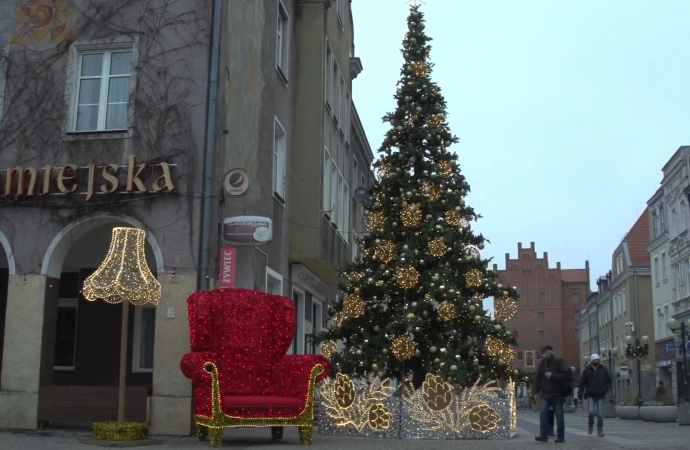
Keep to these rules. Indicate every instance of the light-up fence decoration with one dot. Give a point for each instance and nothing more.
(437, 410)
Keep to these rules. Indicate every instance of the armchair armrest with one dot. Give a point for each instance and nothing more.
(192, 365)
(292, 374)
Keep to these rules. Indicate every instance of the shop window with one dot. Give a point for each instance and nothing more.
(66, 334)
(274, 282)
(144, 332)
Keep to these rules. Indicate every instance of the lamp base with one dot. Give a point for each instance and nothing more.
(104, 443)
(120, 434)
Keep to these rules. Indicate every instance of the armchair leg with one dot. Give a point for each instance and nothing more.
(277, 432)
(305, 435)
(216, 437)
(201, 432)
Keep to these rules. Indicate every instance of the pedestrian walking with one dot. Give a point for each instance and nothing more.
(553, 386)
(660, 394)
(594, 384)
(575, 395)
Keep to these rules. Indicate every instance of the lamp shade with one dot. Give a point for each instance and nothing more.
(124, 274)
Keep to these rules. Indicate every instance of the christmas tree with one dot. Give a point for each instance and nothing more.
(413, 303)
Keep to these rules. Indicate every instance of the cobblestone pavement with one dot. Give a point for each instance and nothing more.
(620, 435)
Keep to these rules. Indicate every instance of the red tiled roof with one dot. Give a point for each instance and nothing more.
(574, 276)
(638, 240)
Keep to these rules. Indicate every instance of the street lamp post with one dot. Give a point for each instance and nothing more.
(637, 351)
(672, 325)
(610, 354)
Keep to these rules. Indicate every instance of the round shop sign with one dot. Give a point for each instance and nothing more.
(236, 182)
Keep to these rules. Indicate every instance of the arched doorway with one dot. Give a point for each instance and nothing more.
(81, 349)
(6, 268)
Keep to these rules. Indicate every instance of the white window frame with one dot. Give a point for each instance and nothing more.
(342, 91)
(664, 272)
(662, 215)
(279, 159)
(341, 8)
(283, 41)
(619, 264)
(4, 52)
(666, 331)
(656, 269)
(123, 43)
(316, 326)
(298, 342)
(335, 105)
(677, 281)
(136, 340)
(103, 94)
(70, 303)
(276, 277)
(329, 76)
(347, 119)
(327, 203)
(624, 300)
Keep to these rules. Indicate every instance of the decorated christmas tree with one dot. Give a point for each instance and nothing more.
(413, 304)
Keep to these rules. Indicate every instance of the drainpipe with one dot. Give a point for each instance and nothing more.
(637, 325)
(202, 282)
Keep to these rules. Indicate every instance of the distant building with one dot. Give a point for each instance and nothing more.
(549, 307)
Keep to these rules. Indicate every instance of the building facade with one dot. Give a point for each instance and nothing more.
(630, 287)
(669, 253)
(548, 312)
(103, 128)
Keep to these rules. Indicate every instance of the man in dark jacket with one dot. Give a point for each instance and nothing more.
(595, 382)
(552, 376)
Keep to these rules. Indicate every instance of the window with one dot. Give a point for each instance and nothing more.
(624, 301)
(526, 273)
(678, 283)
(656, 269)
(576, 316)
(675, 222)
(656, 230)
(664, 275)
(542, 298)
(283, 41)
(329, 76)
(660, 322)
(317, 322)
(342, 5)
(3, 76)
(666, 316)
(683, 220)
(529, 359)
(520, 356)
(103, 88)
(541, 335)
(541, 316)
(343, 207)
(346, 115)
(279, 158)
(343, 102)
(619, 264)
(328, 194)
(336, 91)
(144, 332)
(576, 298)
(274, 282)
(66, 334)
(662, 216)
(615, 306)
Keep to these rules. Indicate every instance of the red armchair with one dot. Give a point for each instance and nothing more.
(241, 375)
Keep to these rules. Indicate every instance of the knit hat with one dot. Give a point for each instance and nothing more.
(594, 357)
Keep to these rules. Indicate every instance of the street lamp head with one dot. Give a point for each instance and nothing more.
(614, 351)
(628, 339)
(602, 350)
(672, 324)
(644, 340)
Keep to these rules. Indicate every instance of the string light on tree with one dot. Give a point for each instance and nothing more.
(374, 220)
(407, 277)
(446, 311)
(438, 247)
(328, 348)
(474, 278)
(385, 251)
(505, 308)
(411, 216)
(353, 305)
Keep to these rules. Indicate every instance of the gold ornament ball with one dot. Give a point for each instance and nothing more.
(329, 348)
(384, 351)
(410, 316)
(432, 349)
(446, 311)
(453, 367)
(425, 313)
(437, 361)
(404, 347)
(498, 327)
(477, 318)
(375, 367)
(472, 308)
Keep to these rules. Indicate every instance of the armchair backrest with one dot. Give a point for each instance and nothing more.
(249, 331)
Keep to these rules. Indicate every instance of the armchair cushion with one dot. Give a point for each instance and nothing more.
(261, 401)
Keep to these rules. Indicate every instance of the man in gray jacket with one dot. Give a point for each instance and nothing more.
(595, 382)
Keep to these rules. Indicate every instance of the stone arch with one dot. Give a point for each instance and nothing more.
(11, 263)
(62, 242)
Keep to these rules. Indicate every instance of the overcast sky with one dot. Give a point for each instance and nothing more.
(566, 111)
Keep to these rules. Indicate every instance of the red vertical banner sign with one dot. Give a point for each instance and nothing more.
(227, 266)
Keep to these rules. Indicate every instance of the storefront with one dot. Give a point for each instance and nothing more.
(312, 297)
(60, 362)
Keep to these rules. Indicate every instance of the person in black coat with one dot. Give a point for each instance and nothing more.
(595, 382)
(552, 376)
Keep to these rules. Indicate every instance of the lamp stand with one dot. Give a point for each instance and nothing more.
(123, 363)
